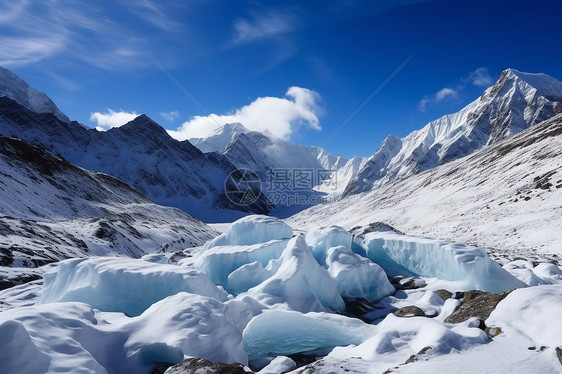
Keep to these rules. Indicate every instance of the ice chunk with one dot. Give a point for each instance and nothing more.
(523, 270)
(300, 283)
(280, 364)
(470, 267)
(53, 339)
(246, 277)
(548, 272)
(280, 332)
(357, 276)
(324, 238)
(252, 230)
(398, 338)
(189, 325)
(122, 285)
(74, 338)
(218, 262)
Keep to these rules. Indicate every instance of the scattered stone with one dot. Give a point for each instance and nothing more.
(476, 304)
(410, 311)
(444, 294)
(411, 283)
(200, 365)
(415, 357)
(458, 295)
(492, 331)
(361, 231)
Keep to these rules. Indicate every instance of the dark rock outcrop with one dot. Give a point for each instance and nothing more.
(202, 366)
(477, 304)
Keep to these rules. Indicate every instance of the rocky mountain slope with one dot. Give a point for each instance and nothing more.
(51, 210)
(16, 89)
(259, 152)
(140, 153)
(516, 102)
(506, 196)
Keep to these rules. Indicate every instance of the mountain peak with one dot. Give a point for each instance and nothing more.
(543, 83)
(18, 90)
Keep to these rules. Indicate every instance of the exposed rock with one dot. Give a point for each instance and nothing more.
(361, 231)
(559, 354)
(444, 294)
(476, 304)
(413, 358)
(411, 283)
(492, 331)
(202, 366)
(410, 311)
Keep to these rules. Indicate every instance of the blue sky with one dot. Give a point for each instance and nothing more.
(296, 69)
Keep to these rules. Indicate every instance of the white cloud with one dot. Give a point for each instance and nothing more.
(439, 96)
(262, 27)
(276, 116)
(111, 119)
(444, 93)
(480, 77)
(170, 116)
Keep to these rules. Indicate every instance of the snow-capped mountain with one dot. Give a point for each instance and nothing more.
(506, 196)
(259, 152)
(51, 210)
(16, 89)
(220, 138)
(516, 102)
(140, 153)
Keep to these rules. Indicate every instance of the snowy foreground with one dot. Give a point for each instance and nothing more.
(258, 293)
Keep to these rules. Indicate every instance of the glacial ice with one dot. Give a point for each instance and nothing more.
(357, 276)
(122, 285)
(282, 332)
(280, 364)
(469, 267)
(321, 239)
(185, 325)
(283, 291)
(218, 262)
(398, 338)
(252, 229)
(299, 283)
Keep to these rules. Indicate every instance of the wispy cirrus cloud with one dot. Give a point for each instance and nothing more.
(82, 32)
(112, 118)
(269, 25)
(479, 77)
(170, 116)
(278, 116)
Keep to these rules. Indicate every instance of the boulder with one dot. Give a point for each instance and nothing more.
(477, 304)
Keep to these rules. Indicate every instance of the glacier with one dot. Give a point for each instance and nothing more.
(281, 332)
(121, 284)
(257, 292)
(469, 267)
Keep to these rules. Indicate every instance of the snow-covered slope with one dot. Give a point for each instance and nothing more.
(259, 152)
(507, 196)
(16, 89)
(51, 209)
(140, 153)
(516, 102)
(302, 306)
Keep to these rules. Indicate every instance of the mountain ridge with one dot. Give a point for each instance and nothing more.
(508, 107)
